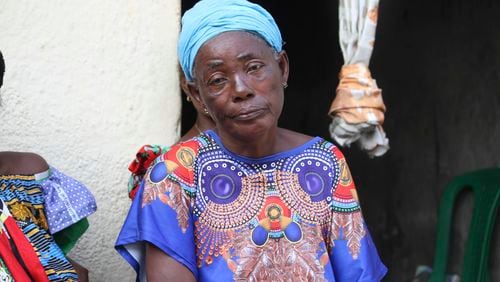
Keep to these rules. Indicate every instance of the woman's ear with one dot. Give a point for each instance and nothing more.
(284, 65)
(184, 84)
(194, 94)
(192, 91)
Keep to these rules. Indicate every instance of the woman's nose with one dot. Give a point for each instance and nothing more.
(242, 89)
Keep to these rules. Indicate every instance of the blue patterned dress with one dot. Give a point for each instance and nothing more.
(292, 216)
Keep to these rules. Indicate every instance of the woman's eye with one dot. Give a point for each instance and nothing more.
(216, 81)
(254, 67)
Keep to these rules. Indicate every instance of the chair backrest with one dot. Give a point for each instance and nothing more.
(485, 185)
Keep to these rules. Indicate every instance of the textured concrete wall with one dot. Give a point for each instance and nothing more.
(87, 83)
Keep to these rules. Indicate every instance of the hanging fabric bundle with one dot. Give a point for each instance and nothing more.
(358, 109)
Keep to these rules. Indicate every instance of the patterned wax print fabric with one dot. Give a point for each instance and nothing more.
(16, 251)
(144, 158)
(67, 201)
(288, 216)
(24, 199)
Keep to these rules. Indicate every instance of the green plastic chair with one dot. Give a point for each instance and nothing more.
(485, 185)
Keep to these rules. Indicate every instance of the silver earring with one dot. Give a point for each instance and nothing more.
(205, 110)
(285, 85)
(188, 98)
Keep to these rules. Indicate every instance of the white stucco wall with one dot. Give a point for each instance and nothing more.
(87, 82)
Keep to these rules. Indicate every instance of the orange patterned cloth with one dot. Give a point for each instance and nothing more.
(358, 109)
(358, 97)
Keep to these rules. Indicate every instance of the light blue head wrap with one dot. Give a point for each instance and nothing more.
(209, 18)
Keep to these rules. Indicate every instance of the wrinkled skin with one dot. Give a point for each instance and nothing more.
(239, 78)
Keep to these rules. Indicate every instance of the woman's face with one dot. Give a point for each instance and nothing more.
(240, 80)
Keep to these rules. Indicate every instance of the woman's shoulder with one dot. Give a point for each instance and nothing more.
(22, 163)
(291, 139)
(183, 153)
(177, 162)
(299, 140)
(296, 139)
(178, 150)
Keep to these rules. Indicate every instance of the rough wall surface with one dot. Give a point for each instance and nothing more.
(87, 83)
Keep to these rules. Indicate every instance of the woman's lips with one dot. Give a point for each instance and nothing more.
(248, 115)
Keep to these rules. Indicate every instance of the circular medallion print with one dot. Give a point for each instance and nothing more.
(314, 183)
(222, 186)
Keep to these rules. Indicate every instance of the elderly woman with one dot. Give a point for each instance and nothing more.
(247, 200)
